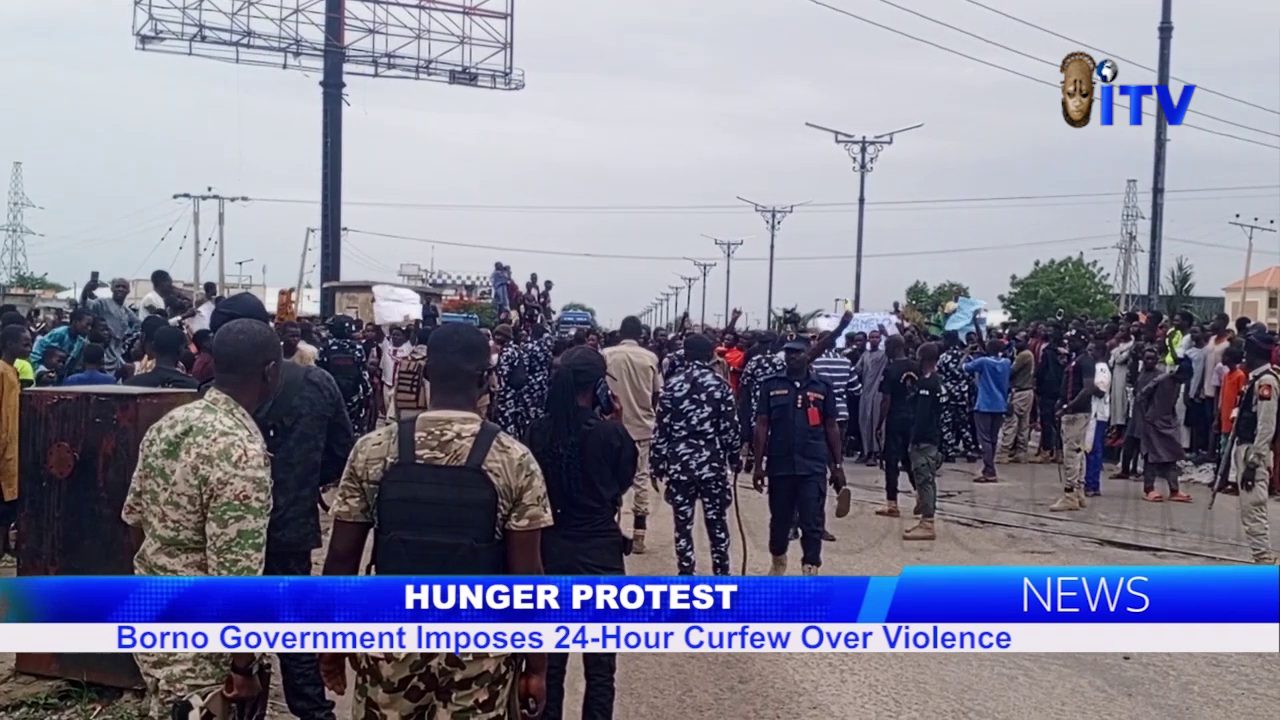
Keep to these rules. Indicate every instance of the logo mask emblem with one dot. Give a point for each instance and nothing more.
(1077, 88)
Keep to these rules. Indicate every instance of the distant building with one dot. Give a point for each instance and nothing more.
(355, 297)
(470, 286)
(1256, 297)
(1203, 307)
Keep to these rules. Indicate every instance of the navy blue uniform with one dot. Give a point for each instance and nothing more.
(796, 458)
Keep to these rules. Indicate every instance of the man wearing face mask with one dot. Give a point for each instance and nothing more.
(199, 503)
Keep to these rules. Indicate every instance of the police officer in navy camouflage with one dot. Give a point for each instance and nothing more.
(344, 358)
(695, 444)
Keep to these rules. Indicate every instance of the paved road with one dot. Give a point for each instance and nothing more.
(656, 687)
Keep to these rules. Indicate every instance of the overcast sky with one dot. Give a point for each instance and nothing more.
(653, 103)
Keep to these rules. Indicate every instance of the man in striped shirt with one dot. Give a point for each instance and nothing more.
(836, 369)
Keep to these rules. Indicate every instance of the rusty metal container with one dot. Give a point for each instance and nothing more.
(78, 449)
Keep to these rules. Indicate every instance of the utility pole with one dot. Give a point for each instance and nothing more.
(773, 216)
(13, 256)
(1248, 229)
(863, 151)
(675, 296)
(1157, 181)
(728, 247)
(704, 268)
(302, 266)
(689, 280)
(222, 201)
(331, 86)
(1127, 262)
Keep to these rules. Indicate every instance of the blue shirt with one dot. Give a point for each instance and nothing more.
(993, 383)
(59, 337)
(90, 377)
(797, 411)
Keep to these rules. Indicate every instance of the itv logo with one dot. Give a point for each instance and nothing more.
(1079, 72)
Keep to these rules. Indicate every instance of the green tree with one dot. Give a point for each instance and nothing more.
(579, 306)
(928, 300)
(31, 281)
(1070, 284)
(1180, 284)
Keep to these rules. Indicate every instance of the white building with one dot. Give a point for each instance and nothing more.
(1256, 297)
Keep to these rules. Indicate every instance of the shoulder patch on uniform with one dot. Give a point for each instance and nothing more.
(1265, 391)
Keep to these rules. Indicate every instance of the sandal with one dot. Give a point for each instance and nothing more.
(889, 511)
(1180, 497)
(1153, 496)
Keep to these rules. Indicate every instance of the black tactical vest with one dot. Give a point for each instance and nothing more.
(1246, 426)
(438, 519)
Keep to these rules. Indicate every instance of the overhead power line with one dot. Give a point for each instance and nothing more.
(711, 208)
(1009, 70)
(1053, 64)
(763, 258)
(1108, 53)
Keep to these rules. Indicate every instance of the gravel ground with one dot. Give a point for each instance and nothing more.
(656, 687)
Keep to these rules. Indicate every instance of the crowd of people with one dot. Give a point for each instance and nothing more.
(464, 450)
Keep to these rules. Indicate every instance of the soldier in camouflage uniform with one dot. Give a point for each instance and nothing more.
(474, 686)
(201, 498)
(695, 444)
(1255, 431)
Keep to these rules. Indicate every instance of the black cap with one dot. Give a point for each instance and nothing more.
(799, 343)
(241, 306)
(1259, 342)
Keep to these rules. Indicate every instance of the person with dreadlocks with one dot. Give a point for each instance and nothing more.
(588, 460)
(344, 358)
(695, 444)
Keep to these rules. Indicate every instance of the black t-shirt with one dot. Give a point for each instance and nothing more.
(586, 478)
(164, 377)
(899, 381)
(926, 428)
(1080, 372)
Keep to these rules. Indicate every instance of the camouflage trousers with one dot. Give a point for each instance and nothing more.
(683, 493)
(416, 686)
(1253, 506)
(173, 677)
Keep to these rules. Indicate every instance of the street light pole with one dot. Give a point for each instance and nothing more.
(864, 151)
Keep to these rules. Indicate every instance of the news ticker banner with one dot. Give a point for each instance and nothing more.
(940, 609)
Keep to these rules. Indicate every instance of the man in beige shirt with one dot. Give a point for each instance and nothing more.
(635, 379)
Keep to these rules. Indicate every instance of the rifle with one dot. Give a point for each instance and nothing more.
(1222, 477)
